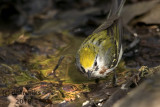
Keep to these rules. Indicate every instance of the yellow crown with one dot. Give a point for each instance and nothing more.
(87, 55)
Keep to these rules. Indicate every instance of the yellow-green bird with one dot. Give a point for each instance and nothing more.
(101, 52)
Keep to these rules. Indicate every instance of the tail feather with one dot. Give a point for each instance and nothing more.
(116, 8)
(113, 15)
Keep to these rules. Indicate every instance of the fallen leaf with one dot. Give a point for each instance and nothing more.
(152, 17)
(131, 11)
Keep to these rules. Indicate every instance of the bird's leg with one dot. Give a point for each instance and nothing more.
(114, 79)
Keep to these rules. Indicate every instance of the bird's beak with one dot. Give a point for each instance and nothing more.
(89, 74)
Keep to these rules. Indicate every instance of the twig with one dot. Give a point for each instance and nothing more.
(130, 30)
(56, 67)
(54, 71)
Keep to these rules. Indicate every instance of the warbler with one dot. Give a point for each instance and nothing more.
(101, 51)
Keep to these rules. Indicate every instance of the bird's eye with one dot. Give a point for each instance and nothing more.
(95, 63)
(82, 69)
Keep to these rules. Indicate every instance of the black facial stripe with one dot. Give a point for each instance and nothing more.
(95, 64)
(82, 69)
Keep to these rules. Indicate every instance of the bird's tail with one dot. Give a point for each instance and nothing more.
(116, 8)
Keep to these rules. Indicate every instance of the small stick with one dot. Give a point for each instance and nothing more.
(56, 67)
(130, 31)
